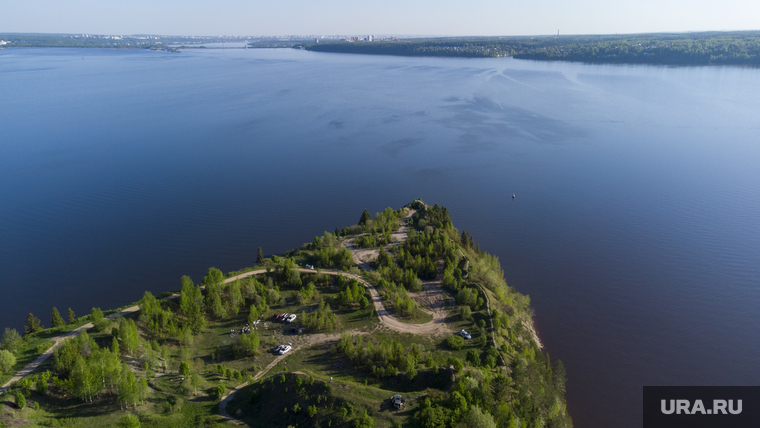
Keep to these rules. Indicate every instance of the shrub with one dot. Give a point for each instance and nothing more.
(473, 357)
(20, 400)
(455, 342)
(129, 421)
(219, 391)
(465, 313)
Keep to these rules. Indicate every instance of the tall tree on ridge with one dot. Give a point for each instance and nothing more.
(366, 216)
(33, 324)
(56, 320)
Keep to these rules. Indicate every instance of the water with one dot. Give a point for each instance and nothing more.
(634, 230)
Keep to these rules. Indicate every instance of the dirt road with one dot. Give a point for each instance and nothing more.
(386, 319)
(58, 341)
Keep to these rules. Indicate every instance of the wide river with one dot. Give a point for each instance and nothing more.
(635, 229)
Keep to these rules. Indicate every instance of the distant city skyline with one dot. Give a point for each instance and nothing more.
(391, 17)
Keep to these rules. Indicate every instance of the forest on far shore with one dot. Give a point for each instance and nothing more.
(708, 48)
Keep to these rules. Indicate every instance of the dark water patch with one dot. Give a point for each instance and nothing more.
(395, 147)
(336, 124)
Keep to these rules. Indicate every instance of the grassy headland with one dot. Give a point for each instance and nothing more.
(171, 362)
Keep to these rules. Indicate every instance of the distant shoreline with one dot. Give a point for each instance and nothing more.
(713, 48)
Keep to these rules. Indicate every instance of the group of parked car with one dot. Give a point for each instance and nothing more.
(281, 349)
(285, 317)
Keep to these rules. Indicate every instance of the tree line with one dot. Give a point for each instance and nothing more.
(730, 48)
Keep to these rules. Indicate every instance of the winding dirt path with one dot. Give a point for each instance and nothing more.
(432, 296)
(437, 326)
(58, 341)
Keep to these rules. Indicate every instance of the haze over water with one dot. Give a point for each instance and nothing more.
(634, 230)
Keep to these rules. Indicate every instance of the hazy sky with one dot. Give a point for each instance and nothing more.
(431, 17)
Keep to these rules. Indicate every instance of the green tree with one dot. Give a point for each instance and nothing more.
(127, 389)
(41, 385)
(235, 297)
(72, 316)
(219, 391)
(366, 216)
(184, 369)
(56, 320)
(477, 418)
(195, 382)
(11, 340)
(213, 278)
(33, 324)
(457, 363)
(483, 339)
(312, 411)
(455, 342)
(142, 388)
(458, 403)
(259, 257)
(7, 361)
(96, 315)
(465, 313)
(83, 383)
(130, 339)
(429, 362)
(129, 421)
(364, 421)
(214, 302)
(97, 319)
(473, 357)
(186, 301)
(20, 400)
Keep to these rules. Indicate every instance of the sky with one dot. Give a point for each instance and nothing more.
(364, 17)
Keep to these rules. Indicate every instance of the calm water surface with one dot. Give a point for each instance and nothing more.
(635, 229)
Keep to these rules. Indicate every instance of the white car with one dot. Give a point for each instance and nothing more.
(283, 316)
(291, 318)
(279, 348)
(465, 335)
(285, 348)
(397, 401)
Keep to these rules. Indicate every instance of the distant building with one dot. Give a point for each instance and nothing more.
(371, 38)
(316, 40)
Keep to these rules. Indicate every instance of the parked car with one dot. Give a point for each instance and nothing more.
(285, 348)
(278, 348)
(397, 401)
(283, 316)
(465, 334)
(291, 318)
(277, 317)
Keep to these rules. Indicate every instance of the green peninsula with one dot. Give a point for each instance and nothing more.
(400, 320)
